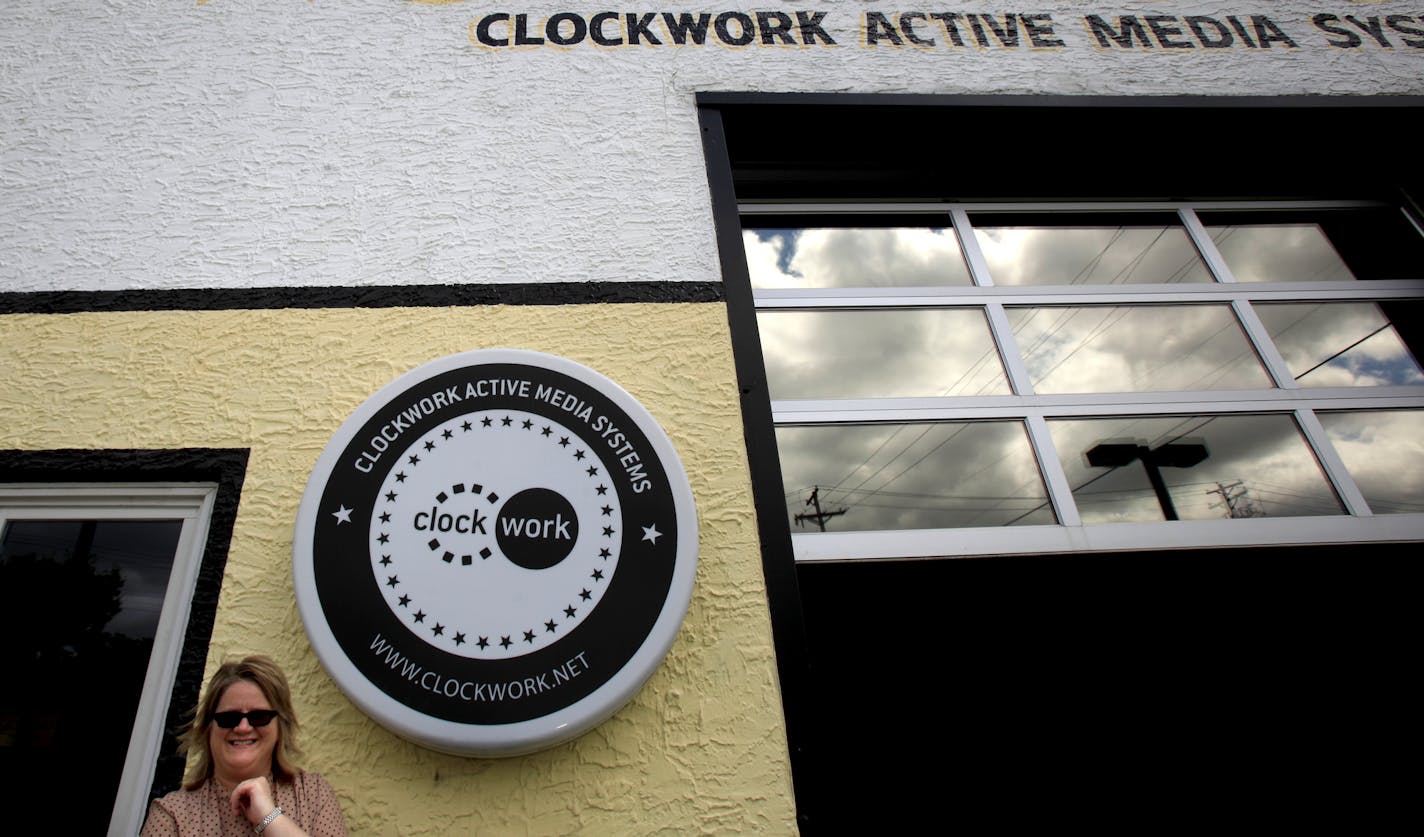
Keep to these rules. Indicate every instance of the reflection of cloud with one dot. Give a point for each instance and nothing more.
(889, 353)
(887, 477)
(914, 476)
(1339, 344)
(1384, 452)
(1089, 255)
(854, 257)
(1279, 253)
(1135, 349)
(1265, 453)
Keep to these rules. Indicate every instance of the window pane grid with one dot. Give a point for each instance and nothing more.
(1272, 390)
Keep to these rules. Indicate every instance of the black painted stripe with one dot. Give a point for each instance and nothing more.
(378, 296)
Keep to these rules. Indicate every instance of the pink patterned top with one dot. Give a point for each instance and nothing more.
(206, 812)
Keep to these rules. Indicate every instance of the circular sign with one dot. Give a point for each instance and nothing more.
(495, 552)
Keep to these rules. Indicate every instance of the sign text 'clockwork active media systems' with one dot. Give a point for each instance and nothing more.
(495, 552)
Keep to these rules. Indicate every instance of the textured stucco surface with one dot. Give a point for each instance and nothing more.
(242, 143)
(700, 749)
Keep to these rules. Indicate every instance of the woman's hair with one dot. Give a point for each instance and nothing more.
(268, 677)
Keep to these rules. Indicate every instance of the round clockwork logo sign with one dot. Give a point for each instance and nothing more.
(495, 552)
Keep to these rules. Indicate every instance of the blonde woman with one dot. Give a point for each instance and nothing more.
(241, 776)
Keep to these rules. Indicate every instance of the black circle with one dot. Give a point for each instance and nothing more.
(383, 648)
(537, 528)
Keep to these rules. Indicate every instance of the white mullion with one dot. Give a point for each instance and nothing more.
(1084, 405)
(969, 245)
(1256, 332)
(962, 296)
(1060, 492)
(1019, 381)
(1014, 366)
(1265, 347)
(1206, 247)
(1411, 220)
(1330, 461)
(1115, 537)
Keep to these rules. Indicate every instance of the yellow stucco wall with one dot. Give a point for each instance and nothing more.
(700, 749)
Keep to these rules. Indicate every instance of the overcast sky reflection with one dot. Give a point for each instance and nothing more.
(1339, 344)
(854, 257)
(1279, 253)
(1384, 452)
(1089, 255)
(1263, 456)
(1145, 348)
(912, 476)
(885, 354)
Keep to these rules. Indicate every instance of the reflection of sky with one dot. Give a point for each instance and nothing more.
(1384, 452)
(1279, 253)
(1135, 349)
(916, 476)
(1264, 453)
(888, 353)
(913, 476)
(1089, 255)
(1339, 344)
(854, 257)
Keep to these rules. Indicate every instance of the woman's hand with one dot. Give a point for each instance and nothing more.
(253, 800)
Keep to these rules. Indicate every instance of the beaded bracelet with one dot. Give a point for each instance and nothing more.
(266, 821)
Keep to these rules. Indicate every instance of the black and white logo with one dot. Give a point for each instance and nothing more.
(495, 552)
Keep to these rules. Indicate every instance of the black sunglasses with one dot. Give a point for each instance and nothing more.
(257, 717)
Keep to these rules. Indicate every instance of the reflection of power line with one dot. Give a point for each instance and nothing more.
(914, 495)
(1112, 317)
(1234, 498)
(1072, 490)
(1342, 351)
(1136, 261)
(1083, 274)
(820, 517)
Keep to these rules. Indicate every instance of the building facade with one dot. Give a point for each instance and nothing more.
(1046, 380)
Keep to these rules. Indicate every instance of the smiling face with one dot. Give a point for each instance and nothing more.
(245, 751)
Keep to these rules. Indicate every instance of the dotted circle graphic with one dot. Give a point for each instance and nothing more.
(495, 551)
(436, 532)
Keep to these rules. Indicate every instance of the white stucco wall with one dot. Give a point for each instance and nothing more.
(237, 143)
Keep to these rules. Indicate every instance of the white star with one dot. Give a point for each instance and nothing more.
(651, 533)
(342, 515)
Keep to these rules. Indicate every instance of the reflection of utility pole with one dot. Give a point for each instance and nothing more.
(1170, 455)
(820, 516)
(1237, 503)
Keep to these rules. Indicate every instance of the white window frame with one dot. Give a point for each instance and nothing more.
(1034, 410)
(192, 503)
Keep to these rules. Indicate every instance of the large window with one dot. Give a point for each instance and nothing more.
(1085, 440)
(96, 581)
(940, 374)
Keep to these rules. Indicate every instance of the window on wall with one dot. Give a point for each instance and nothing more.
(984, 378)
(1084, 437)
(96, 582)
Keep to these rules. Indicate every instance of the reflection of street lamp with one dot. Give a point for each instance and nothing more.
(1170, 455)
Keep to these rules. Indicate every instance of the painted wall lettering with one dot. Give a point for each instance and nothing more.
(618, 29)
(929, 29)
(1351, 32)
